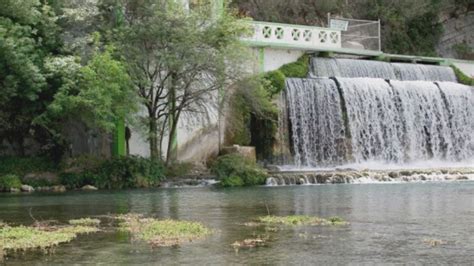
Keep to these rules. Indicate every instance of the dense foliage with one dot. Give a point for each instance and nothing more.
(177, 60)
(44, 84)
(254, 114)
(234, 171)
(116, 173)
(24, 165)
(9, 181)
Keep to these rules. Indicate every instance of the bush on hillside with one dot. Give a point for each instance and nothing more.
(233, 170)
(9, 181)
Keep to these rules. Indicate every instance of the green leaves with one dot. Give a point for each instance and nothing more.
(98, 93)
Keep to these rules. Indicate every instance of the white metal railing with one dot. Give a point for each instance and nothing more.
(296, 36)
(360, 34)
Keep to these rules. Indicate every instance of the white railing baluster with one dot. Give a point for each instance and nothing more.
(297, 36)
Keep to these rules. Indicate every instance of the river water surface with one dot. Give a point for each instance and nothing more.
(389, 223)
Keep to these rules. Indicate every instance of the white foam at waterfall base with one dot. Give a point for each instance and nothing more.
(382, 165)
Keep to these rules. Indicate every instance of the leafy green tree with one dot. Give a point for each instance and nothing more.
(98, 94)
(177, 60)
(28, 34)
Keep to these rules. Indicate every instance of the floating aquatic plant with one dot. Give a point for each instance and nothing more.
(23, 238)
(163, 233)
(300, 220)
(85, 222)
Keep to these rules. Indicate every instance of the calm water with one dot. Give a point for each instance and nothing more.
(389, 223)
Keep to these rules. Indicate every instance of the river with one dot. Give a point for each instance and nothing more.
(389, 223)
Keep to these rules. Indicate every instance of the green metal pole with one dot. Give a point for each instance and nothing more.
(119, 139)
(261, 59)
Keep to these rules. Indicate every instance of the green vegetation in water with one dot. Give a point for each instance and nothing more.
(163, 233)
(85, 222)
(24, 238)
(295, 220)
(9, 181)
(461, 77)
(234, 170)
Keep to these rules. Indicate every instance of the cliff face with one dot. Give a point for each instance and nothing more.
(457, 40)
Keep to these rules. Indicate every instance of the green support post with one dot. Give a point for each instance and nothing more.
(261, 59)
(119, 139)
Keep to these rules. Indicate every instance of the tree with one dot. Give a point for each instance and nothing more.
(28, 34)
(177, 59)
(97, 94)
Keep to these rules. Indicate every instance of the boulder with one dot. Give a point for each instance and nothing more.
(27, 188)
(393, 174)
(43, 189)
(89, 188)
(59, 188)
(14, 190)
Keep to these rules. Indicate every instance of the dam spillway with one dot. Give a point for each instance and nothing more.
(356, 111)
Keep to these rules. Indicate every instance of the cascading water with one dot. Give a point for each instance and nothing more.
(359, 117)
(405, 71)
(316, 121)
(374, 121)
(349, 68)
(459, 100)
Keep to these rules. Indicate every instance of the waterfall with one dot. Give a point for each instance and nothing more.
(350, 68)
(414, 114)
(459, 101)
(405, 71)
(374, 120)
(314, 108)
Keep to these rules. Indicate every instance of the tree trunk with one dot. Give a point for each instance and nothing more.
(171, 154)
(152, 131)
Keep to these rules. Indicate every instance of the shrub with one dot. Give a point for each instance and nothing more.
(178, 169)
(234, 170)
(115, 173)
(24, 165)
(298, 69)
(275, 81)
(9, 181)
(131, 172)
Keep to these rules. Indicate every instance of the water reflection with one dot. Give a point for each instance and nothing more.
(388, 223)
